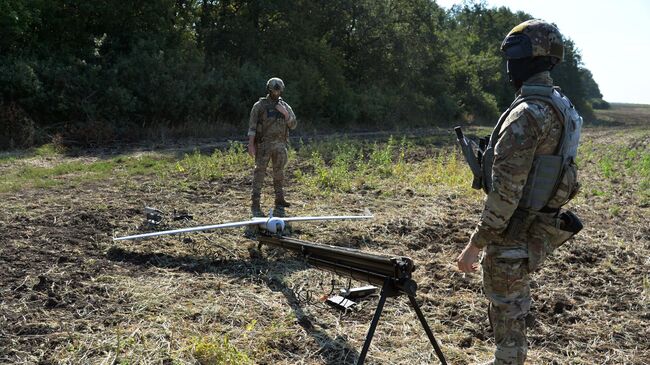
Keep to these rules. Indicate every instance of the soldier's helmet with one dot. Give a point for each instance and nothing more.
(275, 83)
(534, 38)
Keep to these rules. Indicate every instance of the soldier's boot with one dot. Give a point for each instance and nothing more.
(282, 203)
(279, 196)
(278, 211)
(288, 230)
(256, 210)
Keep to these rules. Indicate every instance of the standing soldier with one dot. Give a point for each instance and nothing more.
(528, 172)
(268, 135)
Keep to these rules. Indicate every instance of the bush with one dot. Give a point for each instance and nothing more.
(17, 128)
(599, 104)
(17, 79)
(92, 133)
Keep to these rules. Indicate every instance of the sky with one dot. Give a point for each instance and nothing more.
(613, 38)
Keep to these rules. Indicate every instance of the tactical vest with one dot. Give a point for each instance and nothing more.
(552, 181)
(271, 126)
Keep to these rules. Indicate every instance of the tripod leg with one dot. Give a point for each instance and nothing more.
(373, 326)
(423, 320)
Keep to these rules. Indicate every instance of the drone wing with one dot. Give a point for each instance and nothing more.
(327, 218)
(264, 222)
(254, 221)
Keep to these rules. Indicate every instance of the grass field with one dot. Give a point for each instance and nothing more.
(70, 295)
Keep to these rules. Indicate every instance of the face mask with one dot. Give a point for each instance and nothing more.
(518, 71)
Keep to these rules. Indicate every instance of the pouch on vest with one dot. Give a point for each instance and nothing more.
(519, 224)
(547, 234)
(567, 188)
(541, 182)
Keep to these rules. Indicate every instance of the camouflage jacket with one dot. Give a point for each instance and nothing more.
(269, 125)
(532, 128)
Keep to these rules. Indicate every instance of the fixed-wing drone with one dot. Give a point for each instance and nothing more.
(270, 224)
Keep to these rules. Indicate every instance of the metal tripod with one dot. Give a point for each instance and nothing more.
(390, 289)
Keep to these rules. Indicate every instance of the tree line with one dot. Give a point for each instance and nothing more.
(99, 71)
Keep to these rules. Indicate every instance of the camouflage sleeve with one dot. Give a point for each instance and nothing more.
(254, 118)
(292, 122)
(513, 159)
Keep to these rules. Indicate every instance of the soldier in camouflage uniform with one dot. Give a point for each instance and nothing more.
(268, 132)
(515, 234)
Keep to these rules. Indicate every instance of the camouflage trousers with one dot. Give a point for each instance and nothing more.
(506, 285)
(276, 153)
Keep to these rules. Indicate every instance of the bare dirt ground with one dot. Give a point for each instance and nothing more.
(69, 294)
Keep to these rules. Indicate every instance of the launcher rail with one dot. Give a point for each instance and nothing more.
(392, 273)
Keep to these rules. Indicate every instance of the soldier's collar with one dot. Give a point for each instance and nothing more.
(540, 78)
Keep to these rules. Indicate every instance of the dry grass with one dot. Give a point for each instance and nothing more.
(70, 295)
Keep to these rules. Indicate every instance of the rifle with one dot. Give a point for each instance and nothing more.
(467, 146)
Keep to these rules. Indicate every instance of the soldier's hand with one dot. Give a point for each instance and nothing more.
(251, 150)
(279, 107)
(468, 259)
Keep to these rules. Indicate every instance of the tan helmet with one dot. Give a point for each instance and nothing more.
(275, 83)
(533, 38)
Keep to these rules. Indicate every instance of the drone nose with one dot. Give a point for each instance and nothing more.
(275, 225)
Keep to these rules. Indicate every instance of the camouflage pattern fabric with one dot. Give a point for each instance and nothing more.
(271, 132)
(506, 284)
(544, 236)
(277, 154)
(531, 128)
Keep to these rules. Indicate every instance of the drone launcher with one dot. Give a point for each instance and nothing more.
(392, 273)
(372, 268)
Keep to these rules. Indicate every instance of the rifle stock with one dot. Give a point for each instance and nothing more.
(470, 157)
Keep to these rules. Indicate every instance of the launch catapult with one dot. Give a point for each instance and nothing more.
(392, 273)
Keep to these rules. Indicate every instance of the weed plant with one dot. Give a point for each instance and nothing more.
(386, 167)
(211, 351)
(197, 166)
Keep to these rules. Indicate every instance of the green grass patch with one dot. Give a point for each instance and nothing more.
(606, 165)
(46, 150)
(7, 157)
(597, 192)
(210, 351)
(444, 171)
(617, 166)
(345, 166)
(75, 172)
(615, 210)
(234, 160)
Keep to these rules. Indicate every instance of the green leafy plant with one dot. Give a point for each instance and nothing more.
(210, 351)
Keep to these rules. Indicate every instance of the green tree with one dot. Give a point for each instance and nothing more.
(118, 68)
